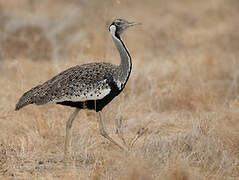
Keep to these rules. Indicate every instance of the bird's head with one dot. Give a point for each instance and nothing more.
(119, 25)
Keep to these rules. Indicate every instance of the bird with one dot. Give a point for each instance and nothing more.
(89, 86)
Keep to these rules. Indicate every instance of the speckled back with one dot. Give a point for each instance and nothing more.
(78, 83)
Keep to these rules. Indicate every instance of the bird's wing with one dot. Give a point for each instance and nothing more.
(83, 92)
(79, 83)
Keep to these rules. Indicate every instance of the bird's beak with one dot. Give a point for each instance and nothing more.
(133, 23)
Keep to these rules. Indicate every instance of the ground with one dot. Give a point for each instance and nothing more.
(183, 89)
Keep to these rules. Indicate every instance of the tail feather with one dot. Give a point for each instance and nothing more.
(27, 98)
(24, 100)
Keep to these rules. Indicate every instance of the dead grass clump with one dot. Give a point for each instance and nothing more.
(129, 167)
(176, 168)
(3, 159)
(199, 146)
(188, 98)
(227, 128)
(138, 173)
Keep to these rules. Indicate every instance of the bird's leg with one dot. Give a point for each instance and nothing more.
(69, 133)
(105, 134)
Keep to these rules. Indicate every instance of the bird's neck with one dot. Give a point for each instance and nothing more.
(125, 64)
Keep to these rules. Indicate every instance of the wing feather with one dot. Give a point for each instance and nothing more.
(94, 92)
(79, 83)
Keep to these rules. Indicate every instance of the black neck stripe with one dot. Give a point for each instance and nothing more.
(119, 38)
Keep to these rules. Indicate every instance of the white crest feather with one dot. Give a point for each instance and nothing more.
(112, 30)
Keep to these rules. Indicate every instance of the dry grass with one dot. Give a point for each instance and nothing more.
(184, 84)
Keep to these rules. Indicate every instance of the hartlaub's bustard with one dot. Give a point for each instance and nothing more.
(89, 86)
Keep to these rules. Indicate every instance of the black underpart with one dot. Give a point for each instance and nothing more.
(96, 105)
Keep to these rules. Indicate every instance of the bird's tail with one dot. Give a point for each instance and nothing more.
(27, 98)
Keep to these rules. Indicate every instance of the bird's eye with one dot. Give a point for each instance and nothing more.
(118, 23)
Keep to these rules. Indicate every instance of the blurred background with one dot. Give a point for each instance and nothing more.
(185, 81)
(56, 30)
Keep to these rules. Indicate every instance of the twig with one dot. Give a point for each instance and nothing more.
(118, 131)
(139, 133)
